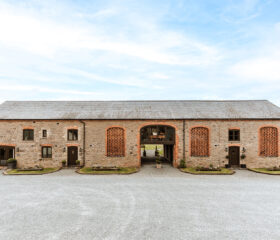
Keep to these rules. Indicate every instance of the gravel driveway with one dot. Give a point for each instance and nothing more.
(152, 204)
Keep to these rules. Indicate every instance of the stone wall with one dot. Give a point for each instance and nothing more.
(28, 153)
(96, 141)
(249, 139)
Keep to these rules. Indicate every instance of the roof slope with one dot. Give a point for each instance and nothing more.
(252, 109)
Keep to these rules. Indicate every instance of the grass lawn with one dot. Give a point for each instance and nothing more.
(224, 171)
(89, 170)
(36, 172)
(264, 170)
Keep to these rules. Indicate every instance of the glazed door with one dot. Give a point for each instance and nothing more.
(5, 154)
(72, 155)
(234, 157)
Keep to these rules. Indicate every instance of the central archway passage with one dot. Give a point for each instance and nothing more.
(160, 138)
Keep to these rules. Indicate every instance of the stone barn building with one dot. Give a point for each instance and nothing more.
(111, 133)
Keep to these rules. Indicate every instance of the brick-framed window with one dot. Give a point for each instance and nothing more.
(115, 142)
(200, 142)
(47, 152)
(44, 133)
(72, 134)
(28, 134)
(269, 142)
(234, 135)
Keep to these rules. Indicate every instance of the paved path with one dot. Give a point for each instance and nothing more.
(152, 204)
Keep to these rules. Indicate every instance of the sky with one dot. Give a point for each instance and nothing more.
(140, 50)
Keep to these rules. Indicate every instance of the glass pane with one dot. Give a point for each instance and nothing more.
(44, 133)
(11, 153)
(75, 135)
(70, 135)
(49, 151)
(31, 134)
(44, 151)
(25, 137)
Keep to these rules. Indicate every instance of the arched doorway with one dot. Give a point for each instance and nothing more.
(157, 141)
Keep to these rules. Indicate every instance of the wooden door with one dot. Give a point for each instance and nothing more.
(72, 155)
(234, 156)
(168, 152)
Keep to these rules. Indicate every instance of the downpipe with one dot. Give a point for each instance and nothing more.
(84, 142)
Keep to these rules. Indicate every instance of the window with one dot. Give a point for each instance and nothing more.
(200, 142)
(269, 142)
(28, 134)
(234, 135)
(44, 133)
(115, 142)
(46, 152)
(72, 134)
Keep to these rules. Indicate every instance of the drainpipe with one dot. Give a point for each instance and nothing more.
(84, 142)
(184, 140)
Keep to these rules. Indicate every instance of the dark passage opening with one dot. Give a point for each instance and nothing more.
(157, 141)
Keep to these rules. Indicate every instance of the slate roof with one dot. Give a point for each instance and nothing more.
(35, 110)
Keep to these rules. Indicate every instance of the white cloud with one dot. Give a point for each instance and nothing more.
(239, 12)
(158, 75)
(48, 38)
(38, 37)
(262, 64)
(99, 14)
(34, 88)
(118, 51)
(260, 69)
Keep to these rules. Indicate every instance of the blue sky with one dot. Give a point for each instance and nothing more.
(126, 50)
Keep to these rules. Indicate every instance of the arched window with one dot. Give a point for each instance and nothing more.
(115, 142)
(269, 142)
(199, 142)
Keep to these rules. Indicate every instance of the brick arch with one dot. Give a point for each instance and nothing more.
(115, 141)
(268, 141)
(175, 153)
(199, 141)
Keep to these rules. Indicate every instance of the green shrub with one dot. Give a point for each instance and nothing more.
(211, 168)
(182, 163)
(144, 153)
(63, 161)
(273, 168)
(158, 161)
(11, 160)
(78, 162)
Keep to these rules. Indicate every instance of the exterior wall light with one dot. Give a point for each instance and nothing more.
(64, 149)
(226, 149)
(243, 150)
